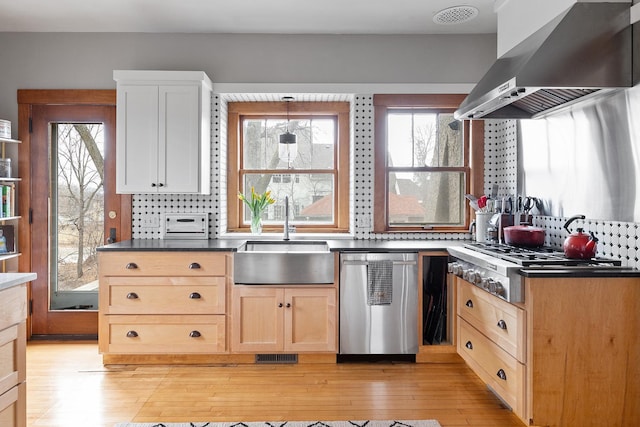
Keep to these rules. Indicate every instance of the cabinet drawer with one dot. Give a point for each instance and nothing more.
(12, 356)
(502, 322)
(162, 264)
(13, 305)
(166, 334)
(13, 407)
(498, 369)
(164, 295)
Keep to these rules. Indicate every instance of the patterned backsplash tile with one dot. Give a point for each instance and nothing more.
(616, 239)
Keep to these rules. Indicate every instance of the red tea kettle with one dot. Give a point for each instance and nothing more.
(579, 245)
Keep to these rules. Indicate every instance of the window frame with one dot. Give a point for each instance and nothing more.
(473, 140)
(237, 111)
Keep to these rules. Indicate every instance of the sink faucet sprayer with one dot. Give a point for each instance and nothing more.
(286, 218)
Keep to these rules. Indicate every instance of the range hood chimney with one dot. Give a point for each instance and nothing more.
(585, 51)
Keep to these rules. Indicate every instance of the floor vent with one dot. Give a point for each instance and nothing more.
(276, 358)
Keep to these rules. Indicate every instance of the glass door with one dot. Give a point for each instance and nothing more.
(72, 206)
(77, 214)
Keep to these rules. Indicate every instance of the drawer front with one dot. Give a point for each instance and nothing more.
(13, 408)
(165, 295)
(498, 369)
(502, 322)
(13, 305)
(166, 334)
(12, 356)
(163, 263)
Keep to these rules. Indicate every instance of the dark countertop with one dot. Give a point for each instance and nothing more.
(569, 272)
(172, 245)
(344, 245)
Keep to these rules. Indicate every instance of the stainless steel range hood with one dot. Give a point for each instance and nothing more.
(581, 53)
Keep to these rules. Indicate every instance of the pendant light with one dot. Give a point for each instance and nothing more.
(287, 149)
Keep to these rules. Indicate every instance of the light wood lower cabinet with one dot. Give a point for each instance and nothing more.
(277, 319)
(163, 302)
(583, 355)
(491, 339)
(568, 356)
(13, 335)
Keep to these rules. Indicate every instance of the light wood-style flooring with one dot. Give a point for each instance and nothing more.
(67, 386)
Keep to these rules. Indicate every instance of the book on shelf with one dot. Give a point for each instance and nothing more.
(7, 239)
(7, 207)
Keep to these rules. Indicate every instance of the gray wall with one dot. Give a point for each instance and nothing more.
(86, 61)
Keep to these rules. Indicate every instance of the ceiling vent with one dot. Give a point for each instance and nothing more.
(455, 15)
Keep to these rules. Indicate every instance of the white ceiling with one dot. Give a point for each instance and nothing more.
(242, 16)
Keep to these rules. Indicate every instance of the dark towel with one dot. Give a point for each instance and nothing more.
(379, 282)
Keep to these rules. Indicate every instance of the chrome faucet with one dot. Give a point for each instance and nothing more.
(286, 218)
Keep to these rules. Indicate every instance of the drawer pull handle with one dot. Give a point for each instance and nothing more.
(502, 324)
(501, 374)
(131, 266)
(132, 295)
(195, 295)
(194, 266)
(469, 304)
(195, 334)
(469, 345)
(132, 334)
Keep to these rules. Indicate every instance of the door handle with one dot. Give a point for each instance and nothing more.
(112, 236)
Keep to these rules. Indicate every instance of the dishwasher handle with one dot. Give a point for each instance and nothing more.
(348, 262)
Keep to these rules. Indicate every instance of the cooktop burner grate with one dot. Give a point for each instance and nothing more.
(541, 256)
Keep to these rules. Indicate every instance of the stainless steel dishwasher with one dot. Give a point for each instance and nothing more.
(378, 303)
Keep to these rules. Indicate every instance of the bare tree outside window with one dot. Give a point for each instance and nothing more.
(78, 228)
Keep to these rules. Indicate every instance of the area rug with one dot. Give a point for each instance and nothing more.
(387, 423)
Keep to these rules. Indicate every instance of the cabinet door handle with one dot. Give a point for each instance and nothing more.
(132, 334)
(195, 334)
(502, 324)
(288, 305)
(469, 303)
(194, 266)
(132, 295)
(153, 184)
(131, 266)
(195, 295)
(160, 184)
(280, 305)
(501, 374)
(469, 345)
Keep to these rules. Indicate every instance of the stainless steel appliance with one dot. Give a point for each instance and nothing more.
(496, 267)
(581, 53)
(378, 303)
(185, 226)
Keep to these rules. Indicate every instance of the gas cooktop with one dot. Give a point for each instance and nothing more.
(541, 256)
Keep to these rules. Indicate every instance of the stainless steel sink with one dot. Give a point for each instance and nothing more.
(284, 246)
(269, 262)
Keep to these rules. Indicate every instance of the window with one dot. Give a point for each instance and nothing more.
(423, 163)
(316, 179)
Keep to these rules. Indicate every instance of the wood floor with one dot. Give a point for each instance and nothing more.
(69, 387)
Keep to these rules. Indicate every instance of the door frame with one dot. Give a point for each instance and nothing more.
(27, 98)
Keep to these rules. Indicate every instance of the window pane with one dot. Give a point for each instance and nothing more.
(418, 139)
(77, 214)
(400, 139)
(315, 140)
(310, 197)
(422, 198)
(450, 141)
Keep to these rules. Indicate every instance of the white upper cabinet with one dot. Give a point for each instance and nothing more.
(163, 135)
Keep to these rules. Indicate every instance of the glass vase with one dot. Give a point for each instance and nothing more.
(256, 224)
